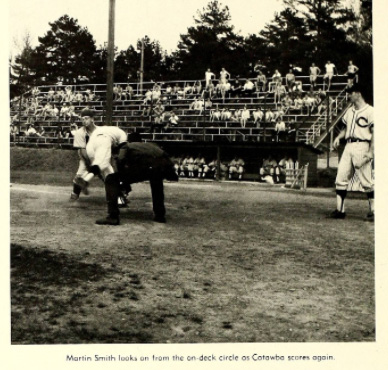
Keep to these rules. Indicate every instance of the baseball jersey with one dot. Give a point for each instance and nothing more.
(359, 123)
(114, 133)
(80, 138)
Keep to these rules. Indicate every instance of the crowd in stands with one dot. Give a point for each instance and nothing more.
(285, 96)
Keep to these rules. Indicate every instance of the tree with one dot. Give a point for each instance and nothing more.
(211, 43)
(67, 50)
(23, 70)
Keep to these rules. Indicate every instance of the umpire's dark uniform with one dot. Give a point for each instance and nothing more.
(142, 162)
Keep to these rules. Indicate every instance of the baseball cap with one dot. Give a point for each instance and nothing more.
(88, 112)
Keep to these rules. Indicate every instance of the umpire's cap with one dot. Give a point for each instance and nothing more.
(88, 112)
(357, 87)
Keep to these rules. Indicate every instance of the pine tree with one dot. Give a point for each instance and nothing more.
(67, 50)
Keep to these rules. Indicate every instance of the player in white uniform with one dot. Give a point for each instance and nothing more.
(95, 156)
(358, 154)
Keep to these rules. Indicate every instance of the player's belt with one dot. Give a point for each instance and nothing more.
(351, 140)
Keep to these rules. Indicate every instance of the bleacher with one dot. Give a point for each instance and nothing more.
(193, 126)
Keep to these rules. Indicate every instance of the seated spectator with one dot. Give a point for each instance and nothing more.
(41, 132)
(50, 95)
(55, 112)
(71, 113)
(261, 82)
(117, 92)
(188, 90)
(208, 104)
(269, 116)
(298, 104)
(224, 89)
(245, 116)
(59, 96)
(64, 112)
(258, 116)
(309, 102)
(236, 166)
(79, 98)
(276, 80)
(173, 121)
(268, 170)
(226, 114)
(156, 93)
(168, 92)
(236, 89)
(198, 88)
(278, 114)
(59, 133)
(236, 116)
(68, 94)
(14, 132)
(281, 171)
(290, 80)
(128, 92)
(215, 115)
(279, 93)
(248, 88)
(31, 131)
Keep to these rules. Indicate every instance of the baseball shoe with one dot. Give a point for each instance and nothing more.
(113, 221)
(160, 219)
(337, 215)
(74, 196)
(82, 184)
(370, 217)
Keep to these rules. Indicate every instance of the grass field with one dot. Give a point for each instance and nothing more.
(234, 263)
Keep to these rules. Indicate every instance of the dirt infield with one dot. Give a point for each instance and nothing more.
(234, 263)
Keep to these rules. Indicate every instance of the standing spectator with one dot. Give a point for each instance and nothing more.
(158, 116)
(351, 73)
(280, 130)
(330, 70)
(279, 93)
(209, 75)
(314, 73)
(224, 75)
(291, 131)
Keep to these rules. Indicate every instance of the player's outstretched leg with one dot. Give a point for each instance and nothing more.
(112, 190)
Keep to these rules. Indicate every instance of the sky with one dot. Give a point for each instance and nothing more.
(162, 20)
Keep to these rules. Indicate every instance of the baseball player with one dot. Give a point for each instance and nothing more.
(358, 154)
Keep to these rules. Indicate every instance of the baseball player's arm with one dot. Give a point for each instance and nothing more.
(338, 138)
(369, 155)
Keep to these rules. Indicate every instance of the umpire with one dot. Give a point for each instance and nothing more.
(140, 162)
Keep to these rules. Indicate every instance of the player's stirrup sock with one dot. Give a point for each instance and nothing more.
(371, 198)
(341, 195)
